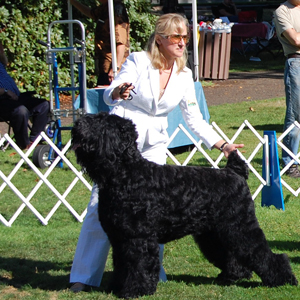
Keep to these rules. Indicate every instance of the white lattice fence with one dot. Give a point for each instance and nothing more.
(76, 177)
(43, 180)
(295, 159)
(198, 147)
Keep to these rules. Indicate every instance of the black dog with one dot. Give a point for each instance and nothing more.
(142, 204)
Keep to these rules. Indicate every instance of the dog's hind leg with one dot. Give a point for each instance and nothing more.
(136, 267)
(276, 271)
(273, 269)
(250, 247)
(213, 249)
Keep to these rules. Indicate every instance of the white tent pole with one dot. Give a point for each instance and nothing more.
(70, 17)
(112, 36)
(71, 57)
(195, 39)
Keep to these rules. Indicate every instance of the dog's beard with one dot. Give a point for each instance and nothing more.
(81, 157)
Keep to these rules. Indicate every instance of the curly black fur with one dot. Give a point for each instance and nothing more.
(142, 204)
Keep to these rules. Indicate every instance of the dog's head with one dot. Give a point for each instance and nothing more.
(102, 140)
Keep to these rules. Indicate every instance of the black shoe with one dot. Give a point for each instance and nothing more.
(293, 171)
(78, 287)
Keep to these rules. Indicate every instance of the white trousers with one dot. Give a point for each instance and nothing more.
(93, 244)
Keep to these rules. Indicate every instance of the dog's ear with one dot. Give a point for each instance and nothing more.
(111, 138)
(121, 137)
(129, 137)
(104, 139)
(81, 131)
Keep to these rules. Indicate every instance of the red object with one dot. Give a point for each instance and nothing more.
(249, 30)
(242, 32)
(247, 16)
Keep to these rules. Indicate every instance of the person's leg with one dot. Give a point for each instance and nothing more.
(19, 123)
(162, 273)
(39, 110)
(102, 67)
(103, 79)
(17, 115)
(92, 247)
(39, 119)
(292, 90)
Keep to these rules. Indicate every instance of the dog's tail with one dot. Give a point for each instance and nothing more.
(238, 165)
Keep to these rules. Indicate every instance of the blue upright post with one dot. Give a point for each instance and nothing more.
(272, 192)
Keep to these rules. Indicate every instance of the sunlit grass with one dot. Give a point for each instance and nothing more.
(35, 260)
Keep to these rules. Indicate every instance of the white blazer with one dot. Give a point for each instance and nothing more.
(147, 111)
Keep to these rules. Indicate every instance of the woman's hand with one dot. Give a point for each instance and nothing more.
(122, 91)
(228, 148)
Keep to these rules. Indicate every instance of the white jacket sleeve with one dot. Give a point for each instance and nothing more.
(129, 72)
(193, 117)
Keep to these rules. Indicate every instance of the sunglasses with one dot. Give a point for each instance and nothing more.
(176, 38)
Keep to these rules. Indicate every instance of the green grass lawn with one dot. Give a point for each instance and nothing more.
(35, 260)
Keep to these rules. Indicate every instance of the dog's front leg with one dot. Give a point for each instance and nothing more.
(136, 267)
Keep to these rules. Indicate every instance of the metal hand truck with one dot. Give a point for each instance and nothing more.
(44, 155)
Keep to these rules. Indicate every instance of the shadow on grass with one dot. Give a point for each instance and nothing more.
(199, 280)
(37, 274)
(187, 279)
(271, 127)
(285, 245)
(54, 276)
(42, 275)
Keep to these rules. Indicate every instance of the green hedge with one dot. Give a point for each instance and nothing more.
(27, 21)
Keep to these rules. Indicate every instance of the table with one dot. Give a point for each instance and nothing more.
(249, 30)
(241, 32)
(95, 104)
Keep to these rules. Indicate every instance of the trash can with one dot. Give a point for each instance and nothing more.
(214, 54)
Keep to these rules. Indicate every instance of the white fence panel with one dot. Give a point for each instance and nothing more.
(61, 155)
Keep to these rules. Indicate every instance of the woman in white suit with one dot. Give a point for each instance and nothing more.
(161, 81)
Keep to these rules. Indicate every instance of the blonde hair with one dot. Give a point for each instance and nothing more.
(166, 25)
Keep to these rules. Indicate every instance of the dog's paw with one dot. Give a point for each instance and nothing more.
(229, 278)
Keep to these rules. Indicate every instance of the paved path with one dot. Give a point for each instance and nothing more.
(245, 86)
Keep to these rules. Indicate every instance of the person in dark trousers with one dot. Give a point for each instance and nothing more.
(17, 108)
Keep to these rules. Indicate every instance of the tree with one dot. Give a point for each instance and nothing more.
(27, 21)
